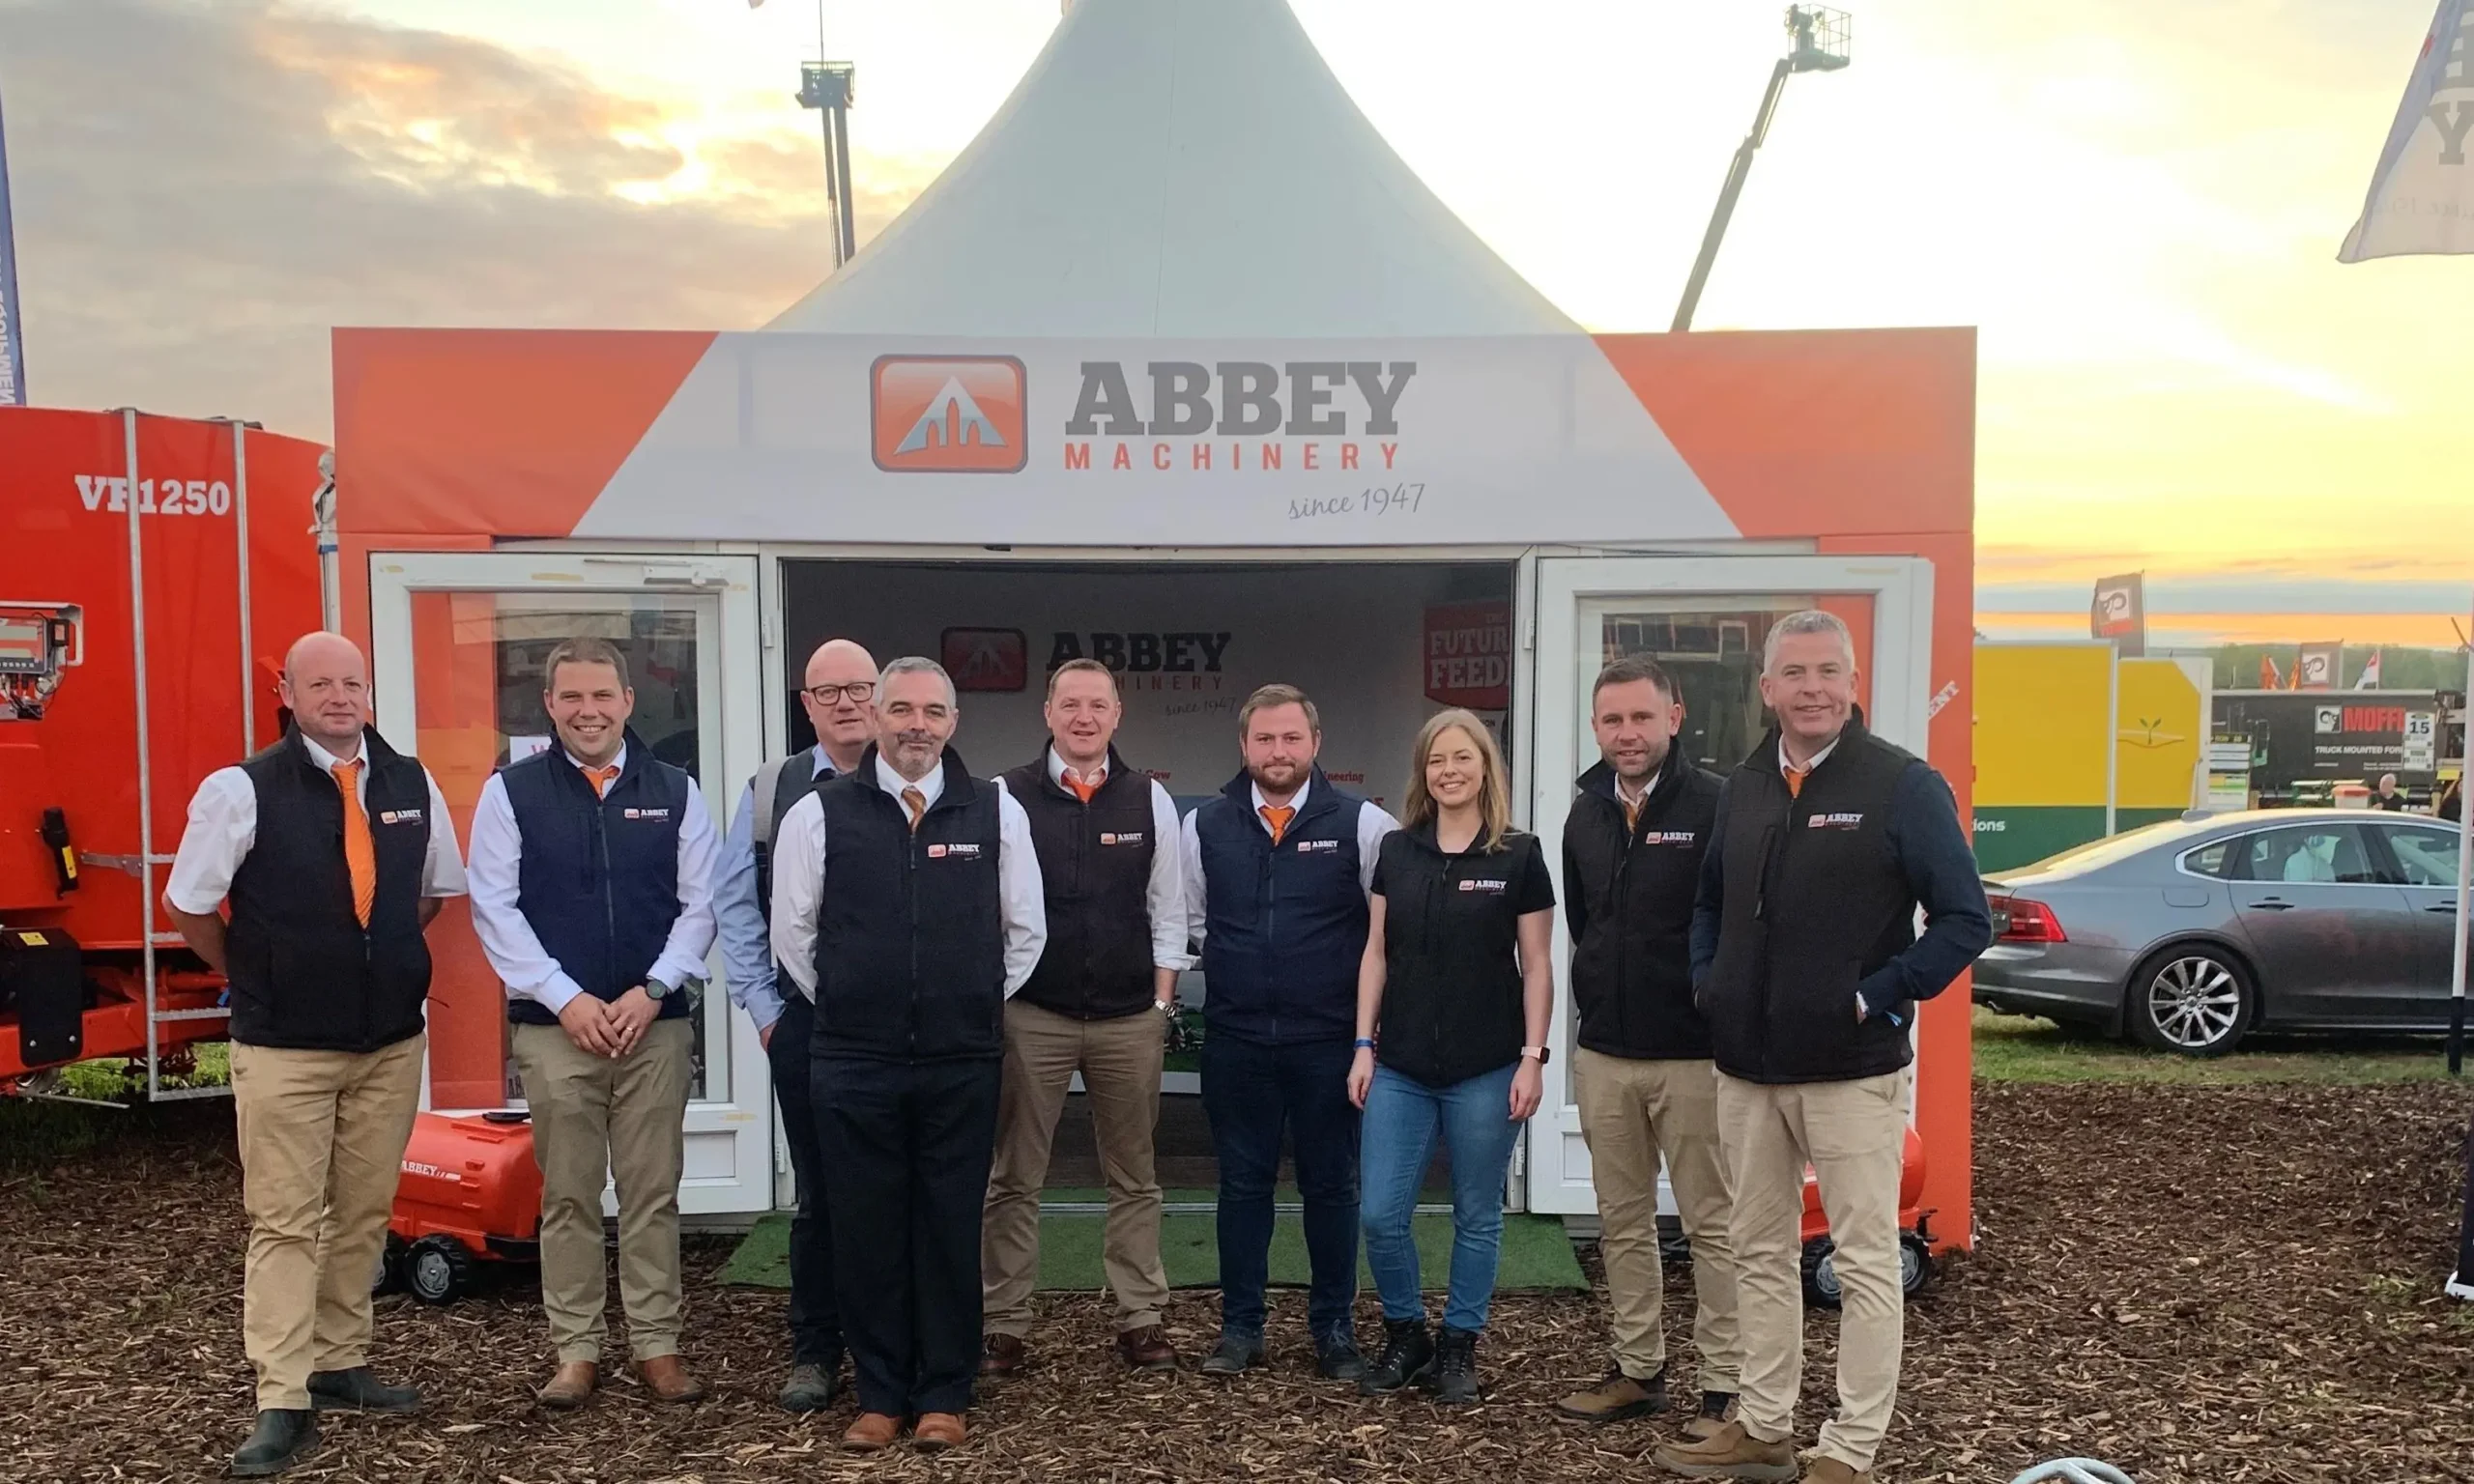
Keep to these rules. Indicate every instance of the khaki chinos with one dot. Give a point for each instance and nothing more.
(1120, 1061)
(597, 1121)
(1634, 1113)
(322, 1138)
(1854, 1135)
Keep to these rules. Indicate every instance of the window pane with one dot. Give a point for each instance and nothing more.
(2328, 854)
(2428, 856)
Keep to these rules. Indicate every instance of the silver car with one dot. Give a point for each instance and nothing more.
(2190, 934)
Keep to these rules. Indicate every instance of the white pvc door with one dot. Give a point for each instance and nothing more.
(457, 641)
(1704, 618)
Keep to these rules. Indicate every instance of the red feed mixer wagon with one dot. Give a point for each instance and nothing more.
(116, 702)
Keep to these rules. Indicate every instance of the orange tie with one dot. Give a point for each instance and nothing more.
(1796, 782)
(1632, 813)
(361, 851)
(1278, 819)
(917, 803)
(1083, 790)
(601, 779)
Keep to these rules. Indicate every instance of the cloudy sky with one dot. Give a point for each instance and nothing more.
(2138, 203)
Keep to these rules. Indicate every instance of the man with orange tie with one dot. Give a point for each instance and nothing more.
(1276, 872)
(592, 893)
(334, 851)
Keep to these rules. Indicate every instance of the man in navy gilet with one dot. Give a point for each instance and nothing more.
(837, 692)
(1276, 872)
(592, 893)
(335, 851)
(1807, 964)
(906, 904)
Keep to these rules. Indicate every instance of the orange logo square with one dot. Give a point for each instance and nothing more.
(948, 414)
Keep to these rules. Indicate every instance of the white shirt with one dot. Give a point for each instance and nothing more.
(1634, 801)
(515, 953)
(1373, 824)
(1820, 757)
(1164, 898)
(798, 880)
(223, 828)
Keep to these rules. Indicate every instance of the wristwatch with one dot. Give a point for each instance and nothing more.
(656, 992)
(1166, 1006)
(1538, 1054)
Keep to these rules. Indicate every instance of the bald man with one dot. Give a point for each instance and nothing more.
(333, 851)
(837, 693)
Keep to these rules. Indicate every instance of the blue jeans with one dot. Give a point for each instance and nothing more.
(1402, 1114)
(1252, 1093)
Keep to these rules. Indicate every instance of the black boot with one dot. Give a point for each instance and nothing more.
(282, 1438)
(1337, 1356)
(1408, 1351)
(359, 1389)
(1453, 1379)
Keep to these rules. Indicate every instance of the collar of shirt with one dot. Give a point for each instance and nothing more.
(1296, 801)
(1056, 770)
(932, 787)
(618, 761)
(821, 762)
(1631, 800)
(1819, 757)
(326, 761)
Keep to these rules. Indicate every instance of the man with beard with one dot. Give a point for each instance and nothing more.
(906, 904)
(1278, 867)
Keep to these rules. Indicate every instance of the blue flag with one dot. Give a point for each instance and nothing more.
(13, 356)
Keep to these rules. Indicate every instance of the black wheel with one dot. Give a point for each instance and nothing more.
(1821, 1273)
(2190, 1000)
(1914, 1263)
(437, 1269)
(389, 1275)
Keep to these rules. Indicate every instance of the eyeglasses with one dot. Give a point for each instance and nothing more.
(859, 691)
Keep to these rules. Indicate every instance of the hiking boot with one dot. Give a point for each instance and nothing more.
(1713, 1414)
(1147, 1348)
(359, 1389)
(810, 1388)
(1831, 1470)
(1729, 1453)
(1618, 1398)
(1235, 1352)
(1001, 1355)
(1453, 1379)
(283, 1435)
(1408, 1354)
(1336, 1359)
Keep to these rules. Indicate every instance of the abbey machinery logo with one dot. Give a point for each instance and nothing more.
(948, 414)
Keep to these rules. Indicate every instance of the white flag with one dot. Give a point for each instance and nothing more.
(2370, 679)
(2422, 199)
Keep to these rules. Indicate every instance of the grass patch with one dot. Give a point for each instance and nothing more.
(2024, 1048)
(116, 1079)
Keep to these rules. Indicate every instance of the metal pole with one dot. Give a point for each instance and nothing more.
(248, 643)
(2465, 878)
(2112, 739)
(845, 212)
(331, 571)
(145, 752)
(1736, 170)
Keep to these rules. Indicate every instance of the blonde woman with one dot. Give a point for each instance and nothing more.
(1453, 1001)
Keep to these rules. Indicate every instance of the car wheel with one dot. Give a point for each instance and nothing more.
(2190, 1000)
(1821, 1273)
(436, 1269)
(1914, 1263)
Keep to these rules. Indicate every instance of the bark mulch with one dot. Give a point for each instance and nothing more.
(2211, 1285)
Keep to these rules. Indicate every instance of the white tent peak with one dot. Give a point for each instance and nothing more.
(1177, 168)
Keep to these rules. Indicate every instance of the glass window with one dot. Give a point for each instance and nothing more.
(1714, 651)
(2312, 854)
(2210, 860)
(2427, 857)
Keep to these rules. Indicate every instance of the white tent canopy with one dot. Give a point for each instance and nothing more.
(1177, 168)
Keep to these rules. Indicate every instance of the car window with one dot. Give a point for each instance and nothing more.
(2310, 855)
(2427, 857)
(2210, 860)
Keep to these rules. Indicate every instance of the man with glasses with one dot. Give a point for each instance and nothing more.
(838, 695)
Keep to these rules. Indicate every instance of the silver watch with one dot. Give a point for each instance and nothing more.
(656, 992)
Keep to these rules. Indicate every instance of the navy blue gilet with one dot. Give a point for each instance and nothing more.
(1286, 924)
(599, 880)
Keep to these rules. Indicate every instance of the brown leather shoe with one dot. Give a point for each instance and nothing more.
(873, 1433)
(1147, 1348)
(1001, 1355)
(939, 1431)
(665, 1378)
(1729, 1453)
(571, 1387)
(1832, 1470)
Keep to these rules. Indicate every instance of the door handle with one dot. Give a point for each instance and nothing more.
(2272, 904)
(2444, 907)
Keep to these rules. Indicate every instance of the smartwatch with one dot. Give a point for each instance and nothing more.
(1538, 1054)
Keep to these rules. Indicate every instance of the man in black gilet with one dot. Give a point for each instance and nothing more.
(334, 851)
(906, 904)
(1807, 964)
(1099, 1004)
(837, 692)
